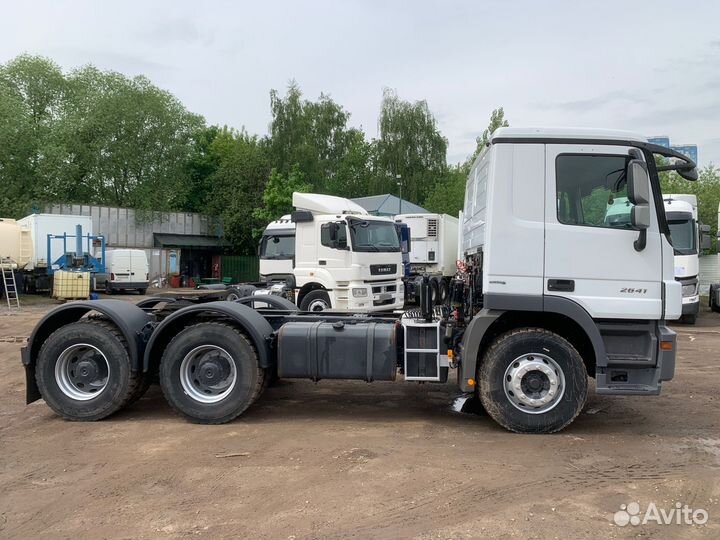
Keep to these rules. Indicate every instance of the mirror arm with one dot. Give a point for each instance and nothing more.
(641, 241)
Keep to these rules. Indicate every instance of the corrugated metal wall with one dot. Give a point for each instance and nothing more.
(125, 227)
(709, 272)
(241, 268)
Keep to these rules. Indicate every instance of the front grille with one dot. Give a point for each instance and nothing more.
(384, 288)
(382, 269)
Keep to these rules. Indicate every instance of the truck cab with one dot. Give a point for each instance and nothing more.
(682, 218)
(334, 255)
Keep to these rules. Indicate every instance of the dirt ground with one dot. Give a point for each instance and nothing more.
(352, 460)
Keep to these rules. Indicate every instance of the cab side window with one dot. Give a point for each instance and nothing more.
(592, 190)
(326, 235)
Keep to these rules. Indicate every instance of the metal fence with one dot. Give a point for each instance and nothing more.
(241, 268)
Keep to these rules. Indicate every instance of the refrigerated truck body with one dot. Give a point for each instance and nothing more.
(546, 296)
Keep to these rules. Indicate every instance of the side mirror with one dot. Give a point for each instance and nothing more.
(638, 188)
(638, 182)
(704, 236)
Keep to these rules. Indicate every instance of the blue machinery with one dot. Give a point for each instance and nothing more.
(79, 261)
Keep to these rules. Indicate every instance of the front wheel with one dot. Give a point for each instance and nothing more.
(690, 318)
(315, 301)
(209, 373)
(532, 380)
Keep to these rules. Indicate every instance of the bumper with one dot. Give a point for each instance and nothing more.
(121, 285)
(691, 305)
(380, 296)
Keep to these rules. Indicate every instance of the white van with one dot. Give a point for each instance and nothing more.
(125, 269)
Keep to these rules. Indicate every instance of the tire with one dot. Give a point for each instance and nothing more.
(690, 318)
(233, 294)
(316, 301)
(714, 307)
(142, 291)
(550, 358)
(229, 354)
(109, 289)
(444, 289)
(102, 348)
(434, 292)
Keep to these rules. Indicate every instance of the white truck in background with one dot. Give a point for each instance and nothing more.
(433, 253)
(682, 217)
(330, 254)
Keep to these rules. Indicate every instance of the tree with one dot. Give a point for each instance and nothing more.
(237, 186)
(277, 197)
(128, 141)
(448, 195)
(32, 90)
(707, 190)
(497, 120)
(314, 136)
(410, 146)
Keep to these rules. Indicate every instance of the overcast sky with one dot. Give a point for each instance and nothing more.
(651, 67)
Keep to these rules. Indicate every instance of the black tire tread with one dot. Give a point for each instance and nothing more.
(485, 398)
(135, 386)
(257, 390)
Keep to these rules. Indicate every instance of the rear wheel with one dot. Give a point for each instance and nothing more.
(434, 291)
(209, 373)
(444, 290)
(142, 291)
(315, 301)
(532, 380)
(83, 371)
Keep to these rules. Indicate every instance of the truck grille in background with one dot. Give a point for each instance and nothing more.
(432, 226)
(384, 288)
(382, 269)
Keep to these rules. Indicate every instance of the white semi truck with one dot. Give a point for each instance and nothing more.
(330, 254)
(546, 296)
(433, 253)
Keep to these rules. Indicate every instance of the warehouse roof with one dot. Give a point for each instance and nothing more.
(187, 241)
(389, 205)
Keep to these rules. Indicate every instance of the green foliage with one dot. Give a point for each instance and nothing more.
(411, 146)
(277, 197)
(707, 190)
(237, 186)
(497, 120)
(315, 137)
(448, 194)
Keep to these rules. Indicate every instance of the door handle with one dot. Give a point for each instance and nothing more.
(565, 285)
(322, 262)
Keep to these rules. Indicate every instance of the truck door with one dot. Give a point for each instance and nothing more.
(590, 256)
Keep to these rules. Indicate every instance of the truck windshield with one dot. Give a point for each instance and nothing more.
(371, 235)
(275, 246)
(682, 232)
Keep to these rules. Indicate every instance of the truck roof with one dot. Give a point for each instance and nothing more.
(509, 133)
(326, 204)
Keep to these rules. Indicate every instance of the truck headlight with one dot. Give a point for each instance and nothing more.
(689, 290)
(359, 292)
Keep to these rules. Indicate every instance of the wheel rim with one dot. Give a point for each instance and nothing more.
(232, 297)
(318, 305)
(208, 374)
(534, 383)
(82, 372)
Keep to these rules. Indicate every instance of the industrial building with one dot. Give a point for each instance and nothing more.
(175, 242)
